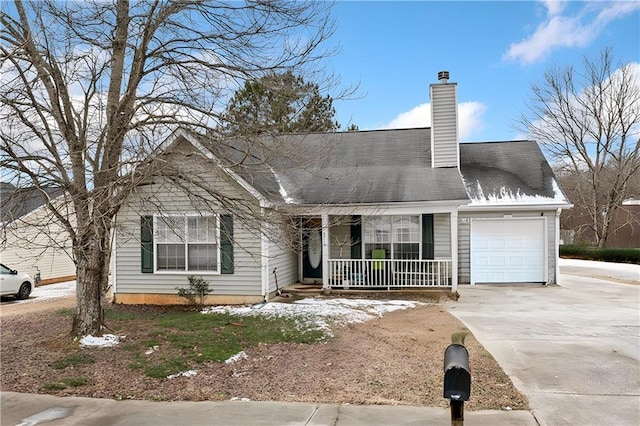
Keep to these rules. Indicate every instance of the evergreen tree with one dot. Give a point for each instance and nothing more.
(279, 103)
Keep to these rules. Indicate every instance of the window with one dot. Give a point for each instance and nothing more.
(377, 234)
(399, 236)
(406, 237)
(187, 243)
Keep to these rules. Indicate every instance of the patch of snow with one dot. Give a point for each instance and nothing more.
(151, 350)
(235, 398)
(625, 271)
(188, 373)
(51, 291)
(506, 196)
(321, 313)
(282, 191)
(237, 357)
(105, 341)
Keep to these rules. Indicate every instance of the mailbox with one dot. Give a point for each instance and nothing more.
(457, 376)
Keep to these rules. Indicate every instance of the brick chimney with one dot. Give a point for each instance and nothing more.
(445, 151)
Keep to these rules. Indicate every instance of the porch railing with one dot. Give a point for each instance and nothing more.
(389, 273)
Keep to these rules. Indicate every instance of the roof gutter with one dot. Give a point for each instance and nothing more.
(379, 208)
(520, 207)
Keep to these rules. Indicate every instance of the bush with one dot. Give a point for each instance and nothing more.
(197, 291)
(618, 255)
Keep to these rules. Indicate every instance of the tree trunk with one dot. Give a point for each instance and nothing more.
(92, 278)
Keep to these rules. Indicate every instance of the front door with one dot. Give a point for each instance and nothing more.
(312, 252)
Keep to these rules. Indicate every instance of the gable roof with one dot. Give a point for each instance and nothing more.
(17, 202)
(384, 167)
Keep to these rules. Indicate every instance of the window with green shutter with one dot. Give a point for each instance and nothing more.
(226, 243)
(356, 237)
(187, 243)
(427, 237)
(146, 246)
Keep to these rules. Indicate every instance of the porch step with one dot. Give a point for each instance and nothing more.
(303, 289)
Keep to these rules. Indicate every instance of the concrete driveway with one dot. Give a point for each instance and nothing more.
(573, 349)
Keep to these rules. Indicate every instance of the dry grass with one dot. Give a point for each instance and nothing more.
(396, 359)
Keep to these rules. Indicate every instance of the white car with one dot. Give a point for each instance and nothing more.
(14, 283)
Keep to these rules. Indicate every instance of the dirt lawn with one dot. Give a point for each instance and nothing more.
(396, 359)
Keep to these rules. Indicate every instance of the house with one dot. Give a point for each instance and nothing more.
(31, 241)
(384, 209)
(576, 226)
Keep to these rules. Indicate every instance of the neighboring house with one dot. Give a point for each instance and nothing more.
(31, 241)
(384, 209)
(625, 226)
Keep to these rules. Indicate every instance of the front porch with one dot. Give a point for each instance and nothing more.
(405, 250)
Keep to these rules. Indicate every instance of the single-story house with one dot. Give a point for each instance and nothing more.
(383, 209)
(31, 241)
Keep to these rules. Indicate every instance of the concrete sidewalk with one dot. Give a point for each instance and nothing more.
(29, 410)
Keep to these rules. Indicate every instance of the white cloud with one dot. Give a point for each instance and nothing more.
(554, 7)
(469, 118)
(564, 30)
(419, 116)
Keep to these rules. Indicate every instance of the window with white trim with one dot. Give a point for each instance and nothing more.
(406, 237)
(399, 236)
(377, 234)
(187, 244)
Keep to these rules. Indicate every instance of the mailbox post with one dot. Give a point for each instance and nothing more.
(457, 381)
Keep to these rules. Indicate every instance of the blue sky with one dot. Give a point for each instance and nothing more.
(494, 51)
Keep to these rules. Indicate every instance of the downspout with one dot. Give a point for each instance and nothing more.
(264, 257)
(114, 264)
(557, 248)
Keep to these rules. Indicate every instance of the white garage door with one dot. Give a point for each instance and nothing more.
(508, 251)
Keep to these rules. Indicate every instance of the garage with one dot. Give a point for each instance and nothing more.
(508, 250)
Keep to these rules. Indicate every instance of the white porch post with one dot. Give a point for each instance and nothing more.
(325, 251)
(453, 226)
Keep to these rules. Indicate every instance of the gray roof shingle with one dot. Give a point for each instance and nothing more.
(17, 202)
(513, 172)
(392, 166)
(364, 167)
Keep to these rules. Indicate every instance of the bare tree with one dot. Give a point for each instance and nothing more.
(91, 88)
(588, 120)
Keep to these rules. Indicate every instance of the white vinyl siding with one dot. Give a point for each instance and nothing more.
(441, 236)
(285, 261)
(444, 125)
(464, 269)
(246, 278)
(36, 244)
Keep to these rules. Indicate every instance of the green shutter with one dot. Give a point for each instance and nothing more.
(356, 237)
(427, 236)
(226, 244)
(146, 247)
